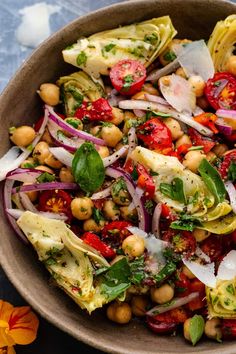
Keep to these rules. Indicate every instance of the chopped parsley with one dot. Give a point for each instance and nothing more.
(46, 177)
(109, 47)
(169, 56)
(232, 171)
(81, 58)
(151, 38)
(128, 80)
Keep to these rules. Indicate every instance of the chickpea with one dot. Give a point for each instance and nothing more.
(117, 259)
(111, 210)
(200, 235)
(117, 116)
(202, 103)
(163, 294)
(111, 134)
(220, 149)
(139, 305)
(91, 225)
(49, 93)
(187, 330)
(103, 151)
(184, 139)
(188, 272)
(45, 169)
(23, 136)
(119, 193)
(197, 84)
(138, 290)
(150, 89)
(128, 115)
(96, 131)
(41, 152)
(65, 175)
(213, 329)
(128, 214)
(28, 163)
(82, 208)
(133, 246)
(211, 156)
(193, 159)
(231, 65)
(181, 72)
(47, 137)
(119, 312)
(51, 161)
(175, 128)
(139, 96)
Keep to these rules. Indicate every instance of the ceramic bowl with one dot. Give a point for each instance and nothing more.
(19, 104)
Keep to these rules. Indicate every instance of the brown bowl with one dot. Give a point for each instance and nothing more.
(19, 104)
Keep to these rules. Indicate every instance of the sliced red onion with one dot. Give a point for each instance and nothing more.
(107, 161)
(16, 200)
(157, 99)
(102, 194)
(232, 194)
(156, 220)
(16, 213)
(62, 155)
(143, 216)
(114, 98)
(199, 252)
(139, 113)
(153, 106)
(132, 142)
(139, 193)
(70, 144)
(26, 175)
(71, 130)
(26, 202)
(220, 88)
(11, 160)
(198, 110)
(223, 128)
(175, 303)
(169, 68)
(44, 187)
(7, 203)
(228, 115)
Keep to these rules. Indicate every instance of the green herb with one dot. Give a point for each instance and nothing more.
(151, 38)
(137, 51)
(212, 180)
(217, 83)
(170, 255)
(153, 173)
(69, 47)
(50, 261)
(100, 271)
(11, 130)
(149, 206)
(194, 148)
(232, 171)
(78, 97)
(74, 122)
(128, 80)
(29, 147)
(45, 177)
(54, 252)
(118, 186)
(134, 174)
(230, 289)
(186, 222)
(175, 190)
(169, 56)
(196, 328)
(81, 58)
(97, 215)
(29, 165)
(109, 47)
(160, 114)
(137, 269)
(125, 140)
(165, 272)
(87, 168)
(106, 124)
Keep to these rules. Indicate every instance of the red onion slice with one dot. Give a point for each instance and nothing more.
(232, 194)
(62, 155)
(70, 144)
(16, 213)
(228, 115)
(44, 187)
(223, 127)
(71, 130)
(220, 88)
(132, 142)
(175, 303)
(107, 161)
(11, 160)
(169, 68)
(157, 99)
(26, 175)
(139, 113)
(102, 194)
(156, 220)
(26, 202)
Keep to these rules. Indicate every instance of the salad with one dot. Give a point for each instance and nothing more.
(125, 187)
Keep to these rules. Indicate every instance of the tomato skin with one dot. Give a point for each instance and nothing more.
(182, 284)
(198, 303)
(212, 246)
(208, 120)
(155, 135)
(115, 232)
(199, 140)
(55, 201)
(225, 165)
(98, 110)
(145, 181)
(161, 327)
(228, 329)
(94, 241)
(128, 76)
(167, 213)
(182, 241)
(178, 315)
(226, 99)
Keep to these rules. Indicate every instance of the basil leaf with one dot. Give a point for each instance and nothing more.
(45, 177)
(165, 272)
(212, 180)
(87, 168)
(186, 222)
(196, 328)
(175, 190)
(137, 269)
(97, 215)
(232, 172)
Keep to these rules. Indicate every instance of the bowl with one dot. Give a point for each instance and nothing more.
(19, 104)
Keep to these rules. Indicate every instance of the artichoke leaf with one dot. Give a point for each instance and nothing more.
(99, 52)
(224, 225)
(218, 211)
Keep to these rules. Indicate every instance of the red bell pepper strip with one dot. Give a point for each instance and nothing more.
(199, 140)
(97, 110)
(145, 181)
(95, 242)
(208, 120)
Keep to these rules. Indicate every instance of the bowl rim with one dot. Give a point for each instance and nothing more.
(84, 335)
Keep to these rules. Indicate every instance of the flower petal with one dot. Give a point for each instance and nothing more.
(23, 325)
(5, 310)
(7, 350)
(5, 337)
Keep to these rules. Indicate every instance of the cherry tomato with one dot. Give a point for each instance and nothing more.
(167, 213)
(228, 329)
(182, 150)
(55, 201)
(199, 140)
(155, 135)
(182, 242)
(145, 181)
(198, 303)
(115, 232)
(161, 327)
(178, 315)
(94, 241)
(128, 76)
(229, 158)
(212, 246)
(225, 97)
(182, 284)
(208, 120)
(97, 110)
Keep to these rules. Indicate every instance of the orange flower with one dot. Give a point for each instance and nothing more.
(18, 325)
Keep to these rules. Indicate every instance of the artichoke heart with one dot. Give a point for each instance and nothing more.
(99, 52)
(76, 88)
(69, 260)
(222, 42)
(224, 225)
(221, 300)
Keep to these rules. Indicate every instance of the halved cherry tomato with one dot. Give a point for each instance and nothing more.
(220, 91)
(212, 246)
(161, 327)
(55, 201)
(182, 284)
(128, 76)
(155, 135)
(95, 242)
(228, 329)
(145, 181)
(178, 315)
(97, 110)
(182, 241)
(167, 213)
(115, 232)
(182, 150)
(208, 120)
(229, 158)
(199, 140)
(198, 303)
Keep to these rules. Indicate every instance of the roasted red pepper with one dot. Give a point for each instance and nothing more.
(97, 110)
(178, 315)
(95, 242)
(115, 232)
(228, 329)
(208, 120)
(212, 246)
(228, 159)
(199, 140)
(198, 303)
(182, 284)
(145, 181)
